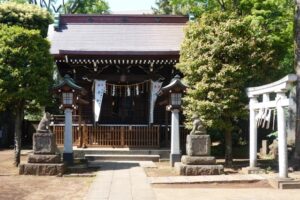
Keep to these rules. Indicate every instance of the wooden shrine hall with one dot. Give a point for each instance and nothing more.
(122, 61)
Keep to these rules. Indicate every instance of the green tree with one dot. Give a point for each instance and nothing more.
(221, 55)
(181, 7)
(69, 6)
(163, 7)
(26, 68)
(25, 15)
(86, 7)
(276, 17)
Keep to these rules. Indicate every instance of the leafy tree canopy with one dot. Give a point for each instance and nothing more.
(185, 7)
(25, 15)
(26, 66)
(163, 7)
(275, 17)
(220, 56)
(68, 6)
(86, 7)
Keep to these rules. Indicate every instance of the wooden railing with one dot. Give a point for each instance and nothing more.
(114, 135)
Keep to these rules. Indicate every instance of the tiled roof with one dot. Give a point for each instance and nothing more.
(116, 37)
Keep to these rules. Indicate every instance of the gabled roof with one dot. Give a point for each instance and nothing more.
(117, 33)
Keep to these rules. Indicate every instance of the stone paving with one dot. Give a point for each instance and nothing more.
(225, 194)
(124, 180)
(120, 181)
(206, 179)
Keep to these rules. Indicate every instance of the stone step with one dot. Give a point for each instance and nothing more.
(115, 157)
(290, 185)
(287, 183)
(81, 152)
(205, 179)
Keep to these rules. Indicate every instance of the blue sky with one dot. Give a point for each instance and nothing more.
(125, 5)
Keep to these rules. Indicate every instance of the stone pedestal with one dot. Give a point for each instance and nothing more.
(198, 145)
(198, 160)
(42, 169)
(44, 143)
(44, 160)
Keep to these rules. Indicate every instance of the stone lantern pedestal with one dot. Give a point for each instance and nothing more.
(198, 160)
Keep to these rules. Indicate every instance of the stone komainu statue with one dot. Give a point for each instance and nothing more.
(198, 128)
(44, 123)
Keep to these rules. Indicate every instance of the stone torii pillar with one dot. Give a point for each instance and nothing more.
(253, 134)
(282, 137)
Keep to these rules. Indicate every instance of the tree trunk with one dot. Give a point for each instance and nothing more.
(18, 134)
(297, 68)
(228, 148)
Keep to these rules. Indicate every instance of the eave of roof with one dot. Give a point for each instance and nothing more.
(121, 18)
(128, 53)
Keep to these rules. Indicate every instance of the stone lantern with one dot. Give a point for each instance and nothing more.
(69, 93)
(174, 90)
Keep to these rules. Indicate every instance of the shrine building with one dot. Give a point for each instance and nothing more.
(121, 61)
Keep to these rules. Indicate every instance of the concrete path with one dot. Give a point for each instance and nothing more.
(120, 181)
(238, 178)
(225, 194)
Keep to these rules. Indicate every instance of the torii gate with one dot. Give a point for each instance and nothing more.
(281, 101)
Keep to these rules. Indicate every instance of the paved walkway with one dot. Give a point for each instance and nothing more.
(206, 179)
(126, 180)
(120, 181)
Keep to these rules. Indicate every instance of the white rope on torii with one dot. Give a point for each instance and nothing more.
(258, 112)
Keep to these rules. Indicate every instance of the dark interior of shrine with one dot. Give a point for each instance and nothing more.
(126, 100)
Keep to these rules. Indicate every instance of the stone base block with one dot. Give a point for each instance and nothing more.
(40, 169)
(174, 158)
(39, 158)
(68, 158)
(44, 143)
(198, 160)
(198, 145)
(284, 183)
(253, 170)
(195, 170)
